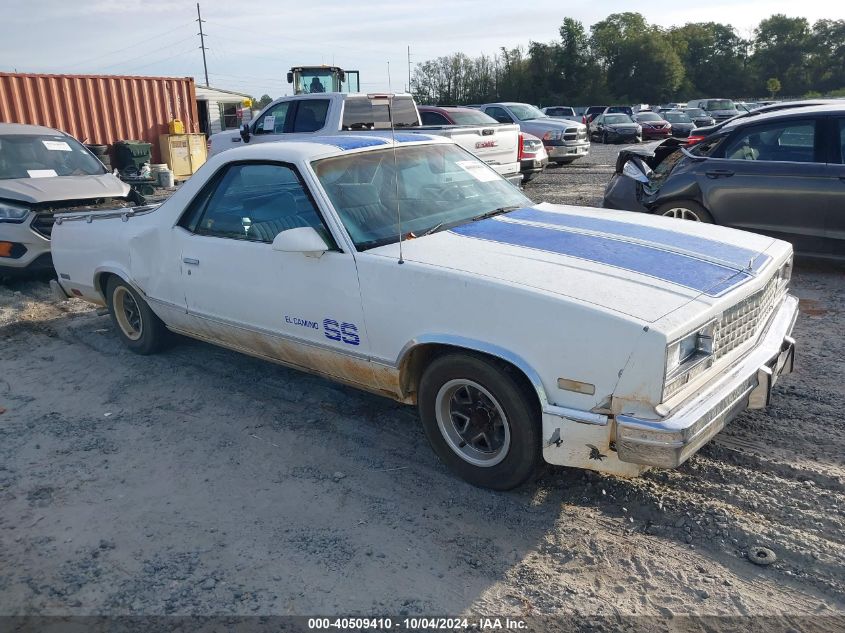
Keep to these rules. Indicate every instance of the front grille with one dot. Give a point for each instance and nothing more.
(744, 321)
(43, 224)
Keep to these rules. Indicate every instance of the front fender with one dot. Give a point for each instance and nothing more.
(460, 342)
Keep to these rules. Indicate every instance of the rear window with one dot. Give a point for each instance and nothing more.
(360, 114)
(470, 117)
(649, 116)
(720, 104)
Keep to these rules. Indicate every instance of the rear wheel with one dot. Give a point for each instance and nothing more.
(685, 210)
(141, 330)
(480, 420)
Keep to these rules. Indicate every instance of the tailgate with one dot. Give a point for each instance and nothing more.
(494, 144)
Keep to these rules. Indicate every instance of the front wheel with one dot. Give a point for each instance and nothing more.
(480, 420)
(685, 210)
(141, 330)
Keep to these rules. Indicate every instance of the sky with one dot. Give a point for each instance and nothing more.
(253, 44)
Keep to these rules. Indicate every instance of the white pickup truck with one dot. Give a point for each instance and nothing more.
(598, 339)
(290, 118)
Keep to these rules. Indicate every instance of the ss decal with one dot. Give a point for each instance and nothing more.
(346, 332)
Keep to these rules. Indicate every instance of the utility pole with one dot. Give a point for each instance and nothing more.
(409, 69)
(202, 43)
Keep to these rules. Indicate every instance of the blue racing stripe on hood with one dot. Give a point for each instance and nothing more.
(704, 276)
(735, 256)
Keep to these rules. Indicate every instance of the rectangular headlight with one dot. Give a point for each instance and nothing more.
(687, 357)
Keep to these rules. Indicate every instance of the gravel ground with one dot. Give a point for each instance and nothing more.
(200, 481)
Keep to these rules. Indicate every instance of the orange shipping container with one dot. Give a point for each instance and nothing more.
(100, 109)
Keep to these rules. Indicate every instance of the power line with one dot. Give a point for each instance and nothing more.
(126, 48)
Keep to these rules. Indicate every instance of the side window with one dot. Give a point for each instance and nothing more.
(433, 118)
(842, 141)
(499, 114)
(273, 120)
(254, 202)
(788, 141)
(311, 115)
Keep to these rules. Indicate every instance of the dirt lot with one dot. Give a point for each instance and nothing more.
(200, 481)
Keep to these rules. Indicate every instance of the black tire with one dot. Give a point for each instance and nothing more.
(507, 413)
(685, 210)
(138, 326)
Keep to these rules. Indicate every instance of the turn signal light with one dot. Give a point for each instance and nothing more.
(6, 249)
(521, 153)
(692, 139)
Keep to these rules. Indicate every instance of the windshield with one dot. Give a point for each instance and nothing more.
(45, 156)
(471, 117)
(622, 109)
(721, 104)
(649, 116)
(525, 112)
(439, 186)
(695, 112)
(617, 118)
(677, 117)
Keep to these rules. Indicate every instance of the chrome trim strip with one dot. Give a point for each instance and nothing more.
(586, 417)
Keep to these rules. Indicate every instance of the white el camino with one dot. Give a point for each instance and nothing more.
(523, 332)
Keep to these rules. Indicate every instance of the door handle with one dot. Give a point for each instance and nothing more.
(191, 261)
(719, 173)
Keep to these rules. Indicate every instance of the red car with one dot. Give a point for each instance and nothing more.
(654, 125)
(453, 115)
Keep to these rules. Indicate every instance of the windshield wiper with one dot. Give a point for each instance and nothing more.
(432, 229)
(498, 211)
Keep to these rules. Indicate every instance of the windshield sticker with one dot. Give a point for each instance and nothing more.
(477, 170)
(57, 146)
(41, 173)
(269, 123)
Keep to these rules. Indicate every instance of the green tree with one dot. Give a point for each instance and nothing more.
(827, 55)
(773, 86)
(264, 101)
(714, 58)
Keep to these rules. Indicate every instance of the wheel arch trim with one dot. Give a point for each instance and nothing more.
(474, 345)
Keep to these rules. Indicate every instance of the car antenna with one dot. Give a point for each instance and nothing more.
(388, 101)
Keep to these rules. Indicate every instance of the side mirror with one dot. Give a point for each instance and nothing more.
(290, 78)
(245, 132)
(303, 239)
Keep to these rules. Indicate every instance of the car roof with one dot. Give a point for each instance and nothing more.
(323, 146)
(24, 129)
(828, 108)
(431, 108)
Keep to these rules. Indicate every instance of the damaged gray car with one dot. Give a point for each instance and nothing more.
(780, 174)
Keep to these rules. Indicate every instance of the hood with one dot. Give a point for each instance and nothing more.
(538, 127)
(622, 126)
(40, 190)
(641, 266)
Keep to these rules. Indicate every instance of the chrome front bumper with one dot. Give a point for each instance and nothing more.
(747, 385)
